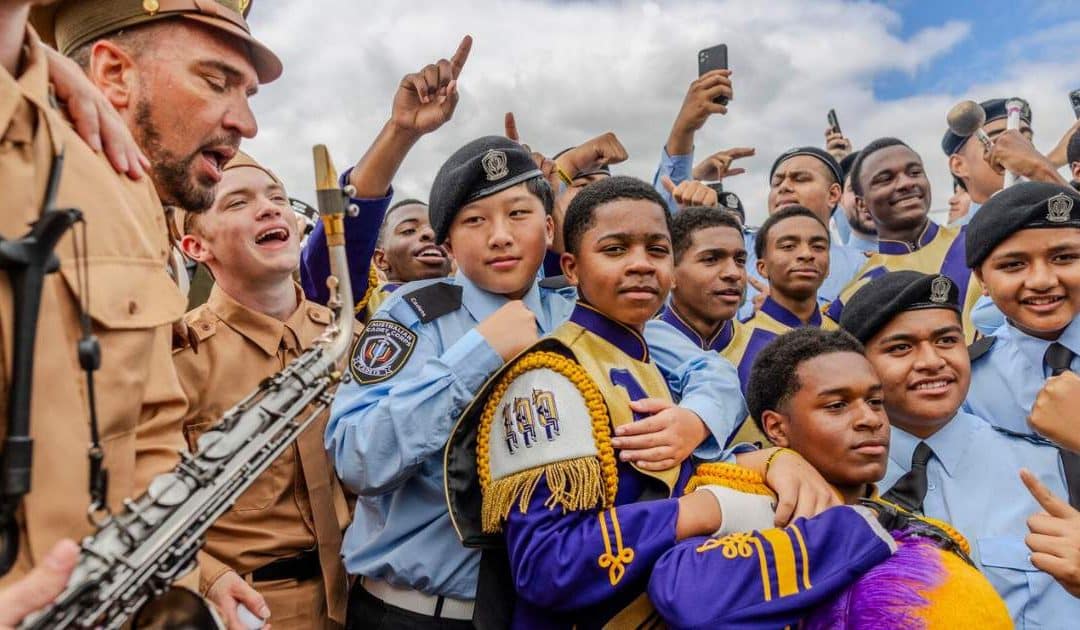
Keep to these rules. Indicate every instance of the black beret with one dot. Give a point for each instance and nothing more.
(877, 302)
(815, 152)
(995, 109)
(479, 169)
(730, 201)
(848, 162)
(1072, 151)
(1019, 207)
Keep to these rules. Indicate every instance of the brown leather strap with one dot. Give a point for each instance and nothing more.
(321, 488)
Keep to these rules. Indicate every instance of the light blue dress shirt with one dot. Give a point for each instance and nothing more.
(679, 168)
(986, 316)
(974, 484)
(386, 439)
(964, 220)
(1006, 380)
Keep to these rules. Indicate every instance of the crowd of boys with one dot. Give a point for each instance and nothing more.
(575, 398)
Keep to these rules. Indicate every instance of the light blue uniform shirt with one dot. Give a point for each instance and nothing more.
(1006, 380)
(679, 168)
(964, 220)
(848, 236)
(986, 316)
(974, 484)
(386, 439)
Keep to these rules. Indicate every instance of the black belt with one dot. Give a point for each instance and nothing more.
(300, 568)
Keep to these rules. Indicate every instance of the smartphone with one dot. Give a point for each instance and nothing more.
(1074, 98)
(710, 59)
(833, 122)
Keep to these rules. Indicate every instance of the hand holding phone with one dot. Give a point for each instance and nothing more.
(710, 59)
(834, 123)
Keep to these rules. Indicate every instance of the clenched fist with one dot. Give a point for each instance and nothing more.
(510, 329)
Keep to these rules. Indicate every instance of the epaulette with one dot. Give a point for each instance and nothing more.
(554, 282)
(981, 347)
(731, 476)
(434, 300)
(895, 518)
(1037, 440)
(195, 328)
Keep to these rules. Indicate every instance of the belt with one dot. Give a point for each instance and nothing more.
(414, 601)
(300, 568)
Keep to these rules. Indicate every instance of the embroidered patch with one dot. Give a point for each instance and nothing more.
(731, 201)
(381, 351)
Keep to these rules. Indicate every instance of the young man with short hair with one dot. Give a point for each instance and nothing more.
(944, 462)
(406, 251)
(792, 249)
(982, 172)
(544, 462)
(864, 565)
(890, 182)
(283, 534)
(810, 178)
(710, 278)
(427, 352)
(854, 223)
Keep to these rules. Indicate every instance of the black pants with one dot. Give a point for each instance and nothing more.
(368, 612)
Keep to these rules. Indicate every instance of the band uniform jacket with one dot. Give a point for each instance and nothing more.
(297, 504)
(133, 303)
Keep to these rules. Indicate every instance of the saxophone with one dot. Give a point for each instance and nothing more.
(134, 556)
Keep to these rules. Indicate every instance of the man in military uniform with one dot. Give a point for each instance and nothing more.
(283, 535)
(129, 298)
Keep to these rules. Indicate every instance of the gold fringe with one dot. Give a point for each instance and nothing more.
(729, 476)
(574, 484)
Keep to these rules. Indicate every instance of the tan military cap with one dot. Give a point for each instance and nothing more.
(68, 24)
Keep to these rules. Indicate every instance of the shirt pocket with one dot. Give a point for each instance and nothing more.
(1006, 562)
(270, 484)
(128, 294)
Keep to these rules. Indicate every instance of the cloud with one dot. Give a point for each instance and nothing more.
(573, 70)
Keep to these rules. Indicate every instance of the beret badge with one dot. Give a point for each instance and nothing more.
(1059, 208)
(731, 201)
(939, 290)
(494, 163)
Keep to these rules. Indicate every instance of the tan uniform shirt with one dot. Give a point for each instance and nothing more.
(133, 303)
(295, 504)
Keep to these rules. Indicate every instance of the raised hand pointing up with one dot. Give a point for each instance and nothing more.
(426, 99)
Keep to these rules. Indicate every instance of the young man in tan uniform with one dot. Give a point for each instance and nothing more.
(132, 305)
(283, 536)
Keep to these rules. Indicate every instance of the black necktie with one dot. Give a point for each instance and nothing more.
(910, 490)
(1059, 358)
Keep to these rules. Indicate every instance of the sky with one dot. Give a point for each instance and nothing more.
(572, 70)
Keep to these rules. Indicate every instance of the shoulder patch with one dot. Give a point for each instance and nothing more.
(381, 351)
(554, 282)
(434, 300)
(981, 347)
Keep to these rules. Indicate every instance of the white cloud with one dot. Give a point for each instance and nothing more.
(573, 70)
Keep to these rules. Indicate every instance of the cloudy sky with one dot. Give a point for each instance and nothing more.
(572, 70)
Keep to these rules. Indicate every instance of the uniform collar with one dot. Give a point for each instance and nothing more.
(1034, 349)
(773, 309)
(719, 339)
(269, 333)
(900, 247)
(862, 242)
(33, 83)
(481, 303)
(619, 335)
(950, 443)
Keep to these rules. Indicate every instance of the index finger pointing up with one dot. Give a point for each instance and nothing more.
(457, 62)
(1053, 505)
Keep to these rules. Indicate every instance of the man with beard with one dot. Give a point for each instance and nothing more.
(946, 463)
(983, 174)
(129, 303)
(890, 182)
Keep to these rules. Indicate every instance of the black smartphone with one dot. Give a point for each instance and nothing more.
(710, 59)
(833, 122)
(1074, 98)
